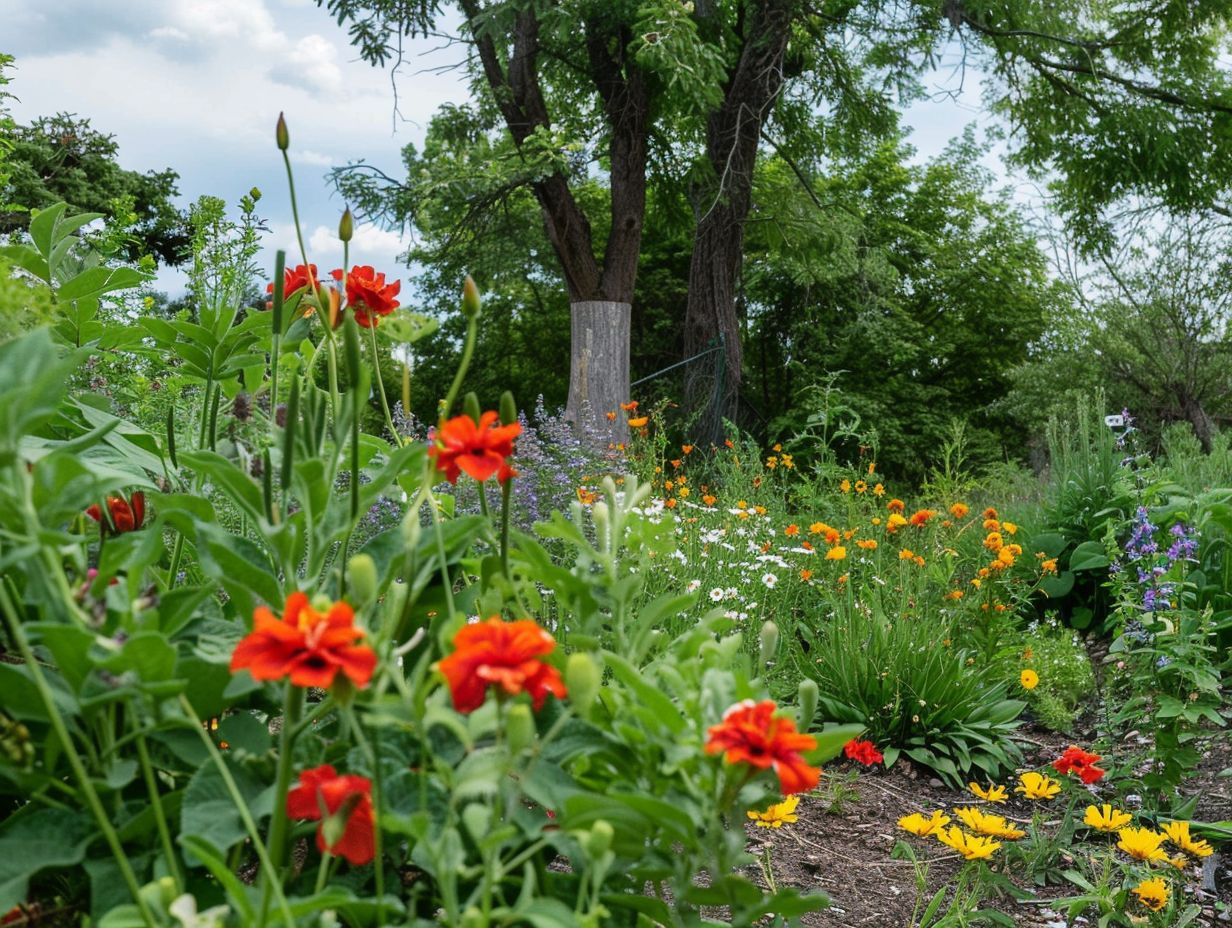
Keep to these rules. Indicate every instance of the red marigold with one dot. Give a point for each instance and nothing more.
(296, 278)
(367, 292)
(460, 445)
(504, 655)
(125, 515)
(1076, 760)
(863, 751)
(349, 796)
(751, 733)
(308, 647)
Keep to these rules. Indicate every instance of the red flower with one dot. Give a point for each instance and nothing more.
(367, 292)
(501, 654)
(752, 734)
(308, 647)
(921, 516)
(1076, 760)
(863, 751)
(295, 278)
(125, 515)
(460, 445)
(349, 796)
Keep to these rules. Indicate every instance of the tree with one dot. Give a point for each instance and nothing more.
(62, 158)
(1113, 98)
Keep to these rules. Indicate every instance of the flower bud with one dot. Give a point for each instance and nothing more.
(508, 409)
(769, 642)
(519, 728)
(322, 603)
(361, 571)
(281, 135)
(473, 917)
(478, 820)
(470, 406)
(602, 517)
(582, 681)
(807, 696)
(470, 298)
(346, 225)
(599, 841)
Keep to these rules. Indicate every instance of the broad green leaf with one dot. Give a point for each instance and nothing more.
(33, 841)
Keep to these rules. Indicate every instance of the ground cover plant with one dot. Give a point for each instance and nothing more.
(277, 654)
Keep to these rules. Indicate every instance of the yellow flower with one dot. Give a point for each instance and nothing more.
(878, 490)
(894, 521)
(1106, 818)
(639, 422)
(772, 462)
(1009, 528)
(837, 553)
(861, 486)
(917, 824)
(1178, 834)
(845, 486)
(1029, 679)
(1037, 786)
(868, 544)
(1142, 843)
(985, 823)
(788, 462)
(993, 793)
(1152, 893)
(778, 815)
(1049, 566)
(972, 847)
(906, 554)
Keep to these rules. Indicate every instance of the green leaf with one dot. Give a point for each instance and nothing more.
(830, 741)
(209, 813)
(42, 839)
(1088, 556)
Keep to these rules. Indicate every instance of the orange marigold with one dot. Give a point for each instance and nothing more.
(751, 733)
(504, 655)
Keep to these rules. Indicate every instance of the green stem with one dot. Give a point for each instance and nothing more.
(506, 499)
(322, 873)
(380, 386)
(278, 822)
(268, 870)
(468, 350)
(70, 751)
(160, 817)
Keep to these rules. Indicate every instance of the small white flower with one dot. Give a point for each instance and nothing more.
(693, 586)
(716, 595)
(769, 580)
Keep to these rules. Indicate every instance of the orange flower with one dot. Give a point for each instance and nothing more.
(806, 575)
(460, 445)
(295, 279)
(708, 499)
(792, 529)
(639, 422)
(687, 449)
(896, 505)
(611, 416)
(629, 407)
(304, 645)
(959, 510)
(349, 796)
(806, 545)
(920, 517)
(878, 490)
(125, 515)
(504, 655)
(750, 733)
(990, 513)
(868, 544)
(367, 292)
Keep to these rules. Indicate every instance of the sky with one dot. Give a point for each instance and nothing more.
(197, 86)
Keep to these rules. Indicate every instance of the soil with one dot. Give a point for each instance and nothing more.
(845, 851)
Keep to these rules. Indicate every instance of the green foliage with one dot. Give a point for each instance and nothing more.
(62, 158)
(1067, 681)
(915, 692)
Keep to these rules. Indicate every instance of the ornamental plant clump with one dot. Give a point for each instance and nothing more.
(239, 706)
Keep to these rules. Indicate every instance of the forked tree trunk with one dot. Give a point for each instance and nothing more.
(599, 372)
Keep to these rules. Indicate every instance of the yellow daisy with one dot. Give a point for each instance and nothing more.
(1178, 834)
(778, 815)
(1152, 893)
(1106, 818)
(917, 824)
(1037, 786)
(1142, 843)
(972, 847)
(992, 793)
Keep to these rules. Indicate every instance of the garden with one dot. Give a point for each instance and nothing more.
(896, 589)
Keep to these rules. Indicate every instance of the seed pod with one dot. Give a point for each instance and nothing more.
(769, 642)
(582, 681)
(470, 406)
(599, 841)
(361, 571)
(519, 728)
(808, 695)
(508, 409)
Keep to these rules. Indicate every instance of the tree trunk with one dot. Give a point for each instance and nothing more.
(599, 368)
(1200, 419)
(733, 132)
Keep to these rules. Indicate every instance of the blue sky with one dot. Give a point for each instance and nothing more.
(197, 85)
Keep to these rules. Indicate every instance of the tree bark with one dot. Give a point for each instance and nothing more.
(599, 368)
(600, 292)
(722, 207)
(1200, 419)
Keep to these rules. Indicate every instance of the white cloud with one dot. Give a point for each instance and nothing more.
(314, 158)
